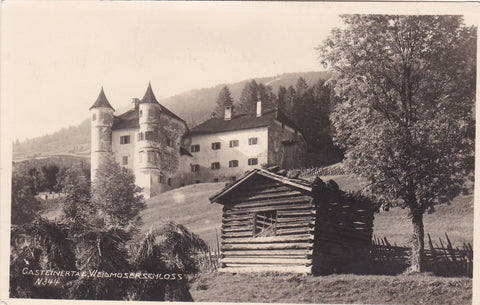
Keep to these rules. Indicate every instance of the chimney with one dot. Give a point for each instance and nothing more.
(259, 108)
(135, 102)
(228, 113)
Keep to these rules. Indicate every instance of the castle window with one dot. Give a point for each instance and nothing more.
(216, 145)
(233, 163)
(195, 167)
(125, 160)
(149, 136)
(252, 161)
(169, 181)
(140, 136)
(160, 179)
(215, 179)
(195, 148)
(152, 157)
(140, 113)
(125, 140)
(233, 143)
(252, 141)
(216, 165)
(169, 142)
(94, 117)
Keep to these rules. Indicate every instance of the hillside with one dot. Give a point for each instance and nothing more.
(193, 106)
(190, 206)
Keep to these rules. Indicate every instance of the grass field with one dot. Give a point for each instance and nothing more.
(357, 289)
(190, 206)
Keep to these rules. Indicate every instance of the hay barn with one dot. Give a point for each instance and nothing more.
(276, 223)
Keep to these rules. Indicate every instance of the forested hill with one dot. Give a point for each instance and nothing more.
(193, 106)
(196, 106)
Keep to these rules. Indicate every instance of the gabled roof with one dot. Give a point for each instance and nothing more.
(298, 183)
(126, 120)
(101, 101)
(241, 121)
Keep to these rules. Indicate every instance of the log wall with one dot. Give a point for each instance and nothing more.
(287, 242)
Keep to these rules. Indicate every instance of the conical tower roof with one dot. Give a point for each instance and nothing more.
(102, 101)
(149, 97)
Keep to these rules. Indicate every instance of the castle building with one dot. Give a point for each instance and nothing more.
(147, 139)
(224, 148)
(164, 154)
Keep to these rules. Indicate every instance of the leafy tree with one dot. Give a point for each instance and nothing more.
(77, 201)
(116, 196)
(224, 99)
(407, 85)
(25, 206)
(50, 174)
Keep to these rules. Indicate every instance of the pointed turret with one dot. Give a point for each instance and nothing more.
(149, 97)
(101, 101)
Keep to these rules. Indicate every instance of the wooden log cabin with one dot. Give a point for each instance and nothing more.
(274, 223)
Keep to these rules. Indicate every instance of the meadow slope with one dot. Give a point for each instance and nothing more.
(190, 206)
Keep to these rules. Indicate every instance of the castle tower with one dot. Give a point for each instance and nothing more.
(148, 140)
(101, 131)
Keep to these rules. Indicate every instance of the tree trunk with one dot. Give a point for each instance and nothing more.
(418, 245)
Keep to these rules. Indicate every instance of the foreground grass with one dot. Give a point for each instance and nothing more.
(343, 289)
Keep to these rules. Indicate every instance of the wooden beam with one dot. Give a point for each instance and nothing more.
(269, 239)
(261, 260)
(266, 246)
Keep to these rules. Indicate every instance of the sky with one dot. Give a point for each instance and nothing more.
(56, 56)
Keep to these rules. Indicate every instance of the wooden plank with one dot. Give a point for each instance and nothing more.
(296, 213)
(240, 229)
(269, 239)
(242, 268)
(273, 202)
(246, 198)
(268, 261)
(296, 206)
(275, 256)
(294, 225)
(267, 252)
(294, 231)
(266, 246)
(236, 234)
(295, 219)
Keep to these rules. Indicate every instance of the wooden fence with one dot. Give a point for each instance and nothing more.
(440, 258)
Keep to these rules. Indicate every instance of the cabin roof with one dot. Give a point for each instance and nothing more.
(298, 183)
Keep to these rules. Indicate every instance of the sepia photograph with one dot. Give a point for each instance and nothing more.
(238, 152)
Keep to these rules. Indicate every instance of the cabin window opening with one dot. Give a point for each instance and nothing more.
(265, 223)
